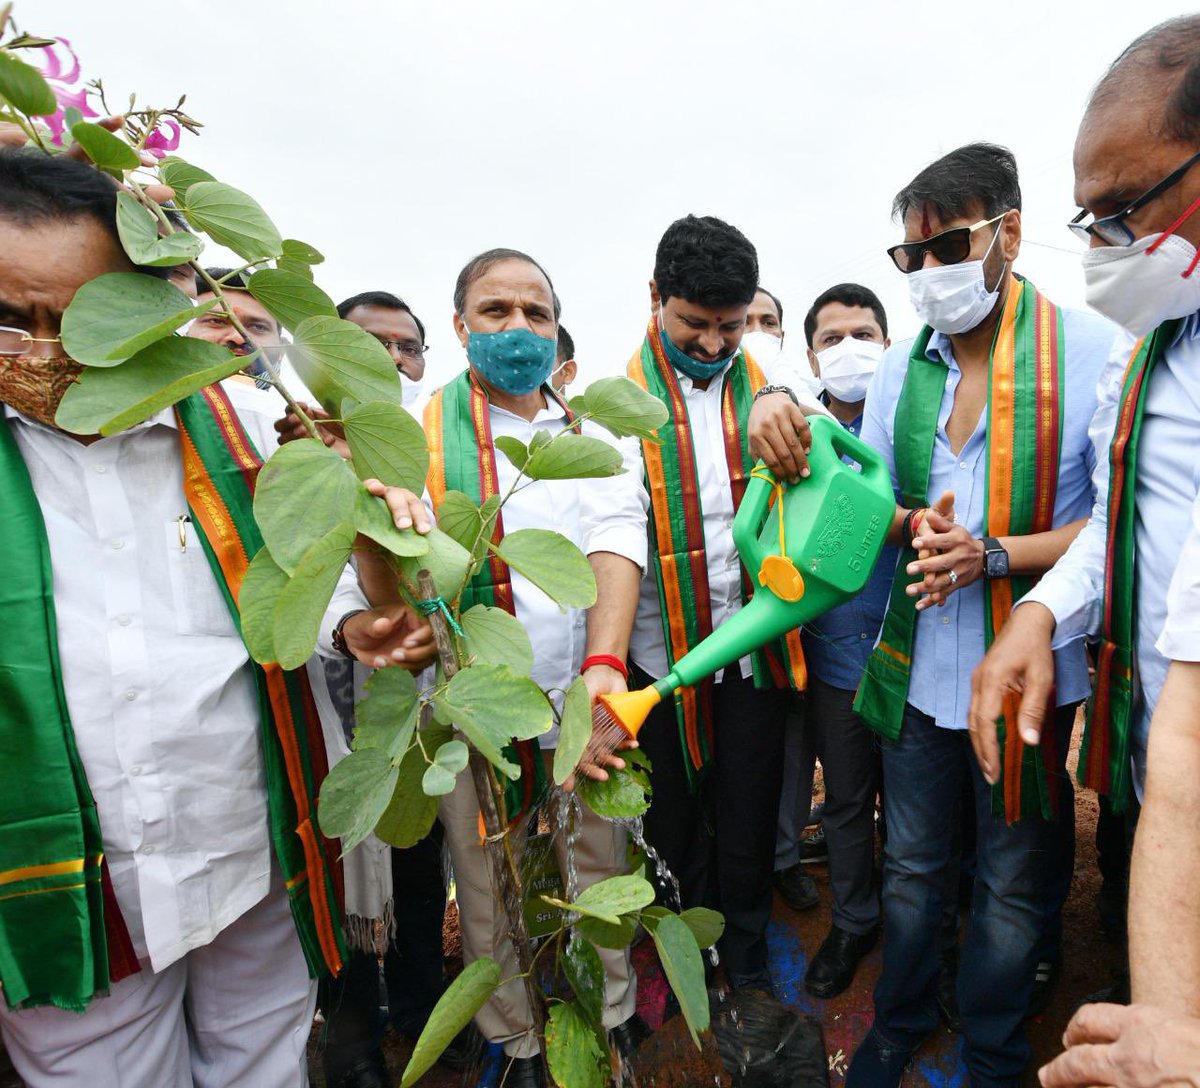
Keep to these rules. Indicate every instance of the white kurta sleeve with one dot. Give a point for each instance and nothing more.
(613, 509)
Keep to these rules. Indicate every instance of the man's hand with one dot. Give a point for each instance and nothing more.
(290, 428)
(950, 548)
(1126, 1046)
(1021, 662)
(780, 436)
(601, 680)
(390, 635)
(408, 511)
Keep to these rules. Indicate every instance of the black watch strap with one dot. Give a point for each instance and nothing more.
(339, 637)
(767, 390)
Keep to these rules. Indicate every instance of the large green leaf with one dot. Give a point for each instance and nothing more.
(491, 704)
(22, 86)
(289, 297)
(233, 219)
(106, 400)
(463, 998)
(447, 562)
(303, 491)
(410, 815)
(373, 518)
(181, 176)
(448, 761)
(607, 900)
(574, 457)
(622, 407)
(338, 361)
(574, 730)
(460, 518)
(114, 316)
(626, 793)
(302, 252)
(355, 794)
(143, 244)
(514, 449)
(607, 935)
(387, 717)
(496, 637)
(572, 1051)
(303, 600)
(257, 598)
(553, 564)
(585, 973)
(387, 443)
(706, 925)
(680, 958)
(107, 151)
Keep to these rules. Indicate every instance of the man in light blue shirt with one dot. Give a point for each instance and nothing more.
(941, 410)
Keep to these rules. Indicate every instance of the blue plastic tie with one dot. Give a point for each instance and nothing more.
(437, 604)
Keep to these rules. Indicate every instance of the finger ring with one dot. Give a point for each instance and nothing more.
(953, 577)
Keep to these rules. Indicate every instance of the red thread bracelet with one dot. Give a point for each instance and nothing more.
(611, 660)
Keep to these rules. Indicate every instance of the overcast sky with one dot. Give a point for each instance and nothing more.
(401, 138)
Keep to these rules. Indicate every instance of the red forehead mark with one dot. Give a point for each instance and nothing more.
(926, 229)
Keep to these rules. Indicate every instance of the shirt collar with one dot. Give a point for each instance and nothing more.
(551, 412)
(940, 349)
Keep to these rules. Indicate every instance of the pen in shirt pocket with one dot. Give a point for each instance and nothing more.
(183, 521)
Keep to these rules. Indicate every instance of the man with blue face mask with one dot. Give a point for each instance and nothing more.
(989, 408)
(1137, 179)
(717, 748)
(506, 317)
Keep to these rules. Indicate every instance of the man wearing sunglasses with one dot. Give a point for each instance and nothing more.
(989, 408)
(1137, 178)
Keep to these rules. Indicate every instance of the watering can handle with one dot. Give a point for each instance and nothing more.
(847, 445)
(751, 513)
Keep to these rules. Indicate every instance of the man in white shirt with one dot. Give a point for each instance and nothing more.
(506, 317)
(161, 715)
(717, 749)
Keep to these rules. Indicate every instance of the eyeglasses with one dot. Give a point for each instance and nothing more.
(17, 341)
(410, 351)
(950, 247)
(1111, 229)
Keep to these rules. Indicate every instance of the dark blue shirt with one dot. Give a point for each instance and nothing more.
(837, 644)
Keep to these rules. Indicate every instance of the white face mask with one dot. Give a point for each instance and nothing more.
(410, 391)
(846, 368)
(763, 346)
(1141, 290)
(953, 298)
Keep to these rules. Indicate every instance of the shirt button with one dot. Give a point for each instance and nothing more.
(962, 464)
(136, 769)
(148, 849)
(124, 619)
(99, 470)
(863, 635)
(117, 545)
(131, 695)
(945, 619)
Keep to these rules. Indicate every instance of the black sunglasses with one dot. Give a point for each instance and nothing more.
(1111, 229)
(950, 247)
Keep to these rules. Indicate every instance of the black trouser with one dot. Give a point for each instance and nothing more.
(412, 964)
(720, 841)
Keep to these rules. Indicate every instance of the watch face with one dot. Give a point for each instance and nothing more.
(997, 564)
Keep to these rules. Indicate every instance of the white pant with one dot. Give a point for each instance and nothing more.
(233, 1014)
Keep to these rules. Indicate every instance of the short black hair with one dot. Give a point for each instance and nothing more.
(237, 280)
(971, 176)
(704, 260)
(38, 188)
(775, 299)
(848, 294)
(1170, 47)
(383, 299)
(482, 263)
(566, 345)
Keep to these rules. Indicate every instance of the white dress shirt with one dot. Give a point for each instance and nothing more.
(162, 700)
(1168, 480)
(648, 648)
(1180, 639)
(598, 515)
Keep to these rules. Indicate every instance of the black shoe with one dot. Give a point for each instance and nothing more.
(813, 850)
(464, 1050)
(798, 889)
(368, 1072)
(947, 993)
(876, 1065)
(523, 1073)
(1043, 983)
(759, 982)
(832, 968)
(627, 1037)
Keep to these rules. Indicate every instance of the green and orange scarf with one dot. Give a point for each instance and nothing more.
(62, 938)
(677, 535)
(1024, 436)
(462, 457)
(1104, 763)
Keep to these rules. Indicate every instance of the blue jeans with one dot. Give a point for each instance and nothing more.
(923, 774)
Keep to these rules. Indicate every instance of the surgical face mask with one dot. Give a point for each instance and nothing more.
(954, 298)
(35, 384)
(410, 389)
(763, 347)
(846, 368)
(516, 361)
(696, 369)
(1138, 289)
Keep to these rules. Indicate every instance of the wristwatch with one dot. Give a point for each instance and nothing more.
(339, 637)
(995, 559)
(767, 390)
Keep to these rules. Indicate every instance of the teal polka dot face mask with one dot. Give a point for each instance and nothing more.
(516, 361)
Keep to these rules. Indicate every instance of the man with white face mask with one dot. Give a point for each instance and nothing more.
(397, 328)
(989, 408)
(1138, 182)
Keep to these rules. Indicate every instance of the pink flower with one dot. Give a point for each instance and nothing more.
(61, 71)
(56, 122)
(158, 144)
(54, 64)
